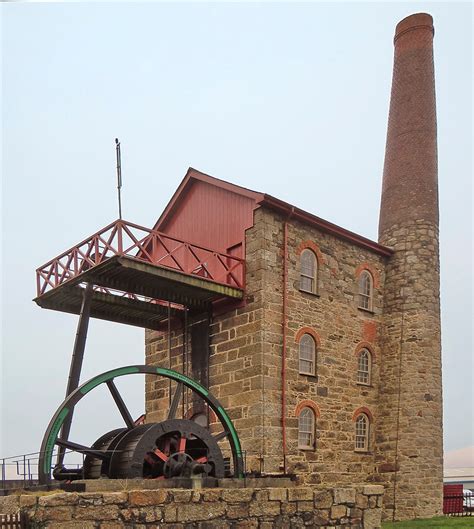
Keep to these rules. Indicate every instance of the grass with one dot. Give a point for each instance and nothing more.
(440, 523)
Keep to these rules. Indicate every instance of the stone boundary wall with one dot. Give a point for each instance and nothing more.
(241, 508)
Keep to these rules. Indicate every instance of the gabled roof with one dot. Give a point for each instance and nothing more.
(263, 199)
(192, 176)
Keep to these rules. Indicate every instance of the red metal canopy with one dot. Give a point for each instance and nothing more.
(139, 275)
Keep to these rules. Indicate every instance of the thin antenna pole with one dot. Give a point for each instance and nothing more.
(119, 176)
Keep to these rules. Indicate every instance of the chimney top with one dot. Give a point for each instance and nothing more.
(418, 21)
(410, 175)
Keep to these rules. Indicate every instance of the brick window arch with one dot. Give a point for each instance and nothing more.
(307, 355)
(366, 290)
(306, 428)
(364, 366)
(308, 341)
(308, 271)
(372, 270)
(362, 421)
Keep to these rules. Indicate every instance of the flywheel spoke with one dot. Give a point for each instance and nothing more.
(182, 444)
(75, 447)
(120, 404)
(175, 402)
(220, 436)
(160, 454)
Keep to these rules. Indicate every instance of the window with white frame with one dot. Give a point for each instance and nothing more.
(365, 290)
(362, 433)
(306, 429)
(308, 271)
(307, 355)
(364, 367)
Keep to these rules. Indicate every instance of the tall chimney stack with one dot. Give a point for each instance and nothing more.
(409, 430)
(410, 188)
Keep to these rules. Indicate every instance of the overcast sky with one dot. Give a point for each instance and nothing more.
(285, 98)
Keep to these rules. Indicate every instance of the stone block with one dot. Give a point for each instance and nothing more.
(211, 494)
(321, 517)
(115, 498)
(150, 514)
(53, 500)
(55, 514)
(300, 494)
(281, 522)
(9, 504)
(213, 524)
(237, 510)
(288, 508)
(247, 524)
(196, 512)
(323, 500)
(111, 525)
(362, 502)
(148, 497)
(237, 495)
(372, 519)
(129, 515)
(270, 508)
(338, 511)
(304, 506)
(346, 496)
(181, 496)
(261, 496)
(170, 513)
(73, 525)
(27, 500)
(90, 498)
(373, 490)
(280, 494)
(96, 512)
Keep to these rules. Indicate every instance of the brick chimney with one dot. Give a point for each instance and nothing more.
(410, 189)
(409, 430)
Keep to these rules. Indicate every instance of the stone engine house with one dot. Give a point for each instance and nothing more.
(330, 364)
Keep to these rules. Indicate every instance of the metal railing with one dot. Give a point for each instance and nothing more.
(22, 470)
(461, 504)
(122, 238)
(13, 521)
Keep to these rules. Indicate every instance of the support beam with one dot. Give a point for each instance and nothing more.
(76, 363)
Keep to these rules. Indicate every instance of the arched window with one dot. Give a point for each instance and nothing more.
(306, 429)
(308, 271)
(364, 367)
(362, 425)
(307, 355)
(365, 290)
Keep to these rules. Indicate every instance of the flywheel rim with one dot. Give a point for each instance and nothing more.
(51, 435)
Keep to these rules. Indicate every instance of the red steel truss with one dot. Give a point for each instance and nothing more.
(123, 238)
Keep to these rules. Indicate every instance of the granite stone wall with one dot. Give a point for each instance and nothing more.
(340, 328)
(241, 508)
(409, 435)
(245, 362)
